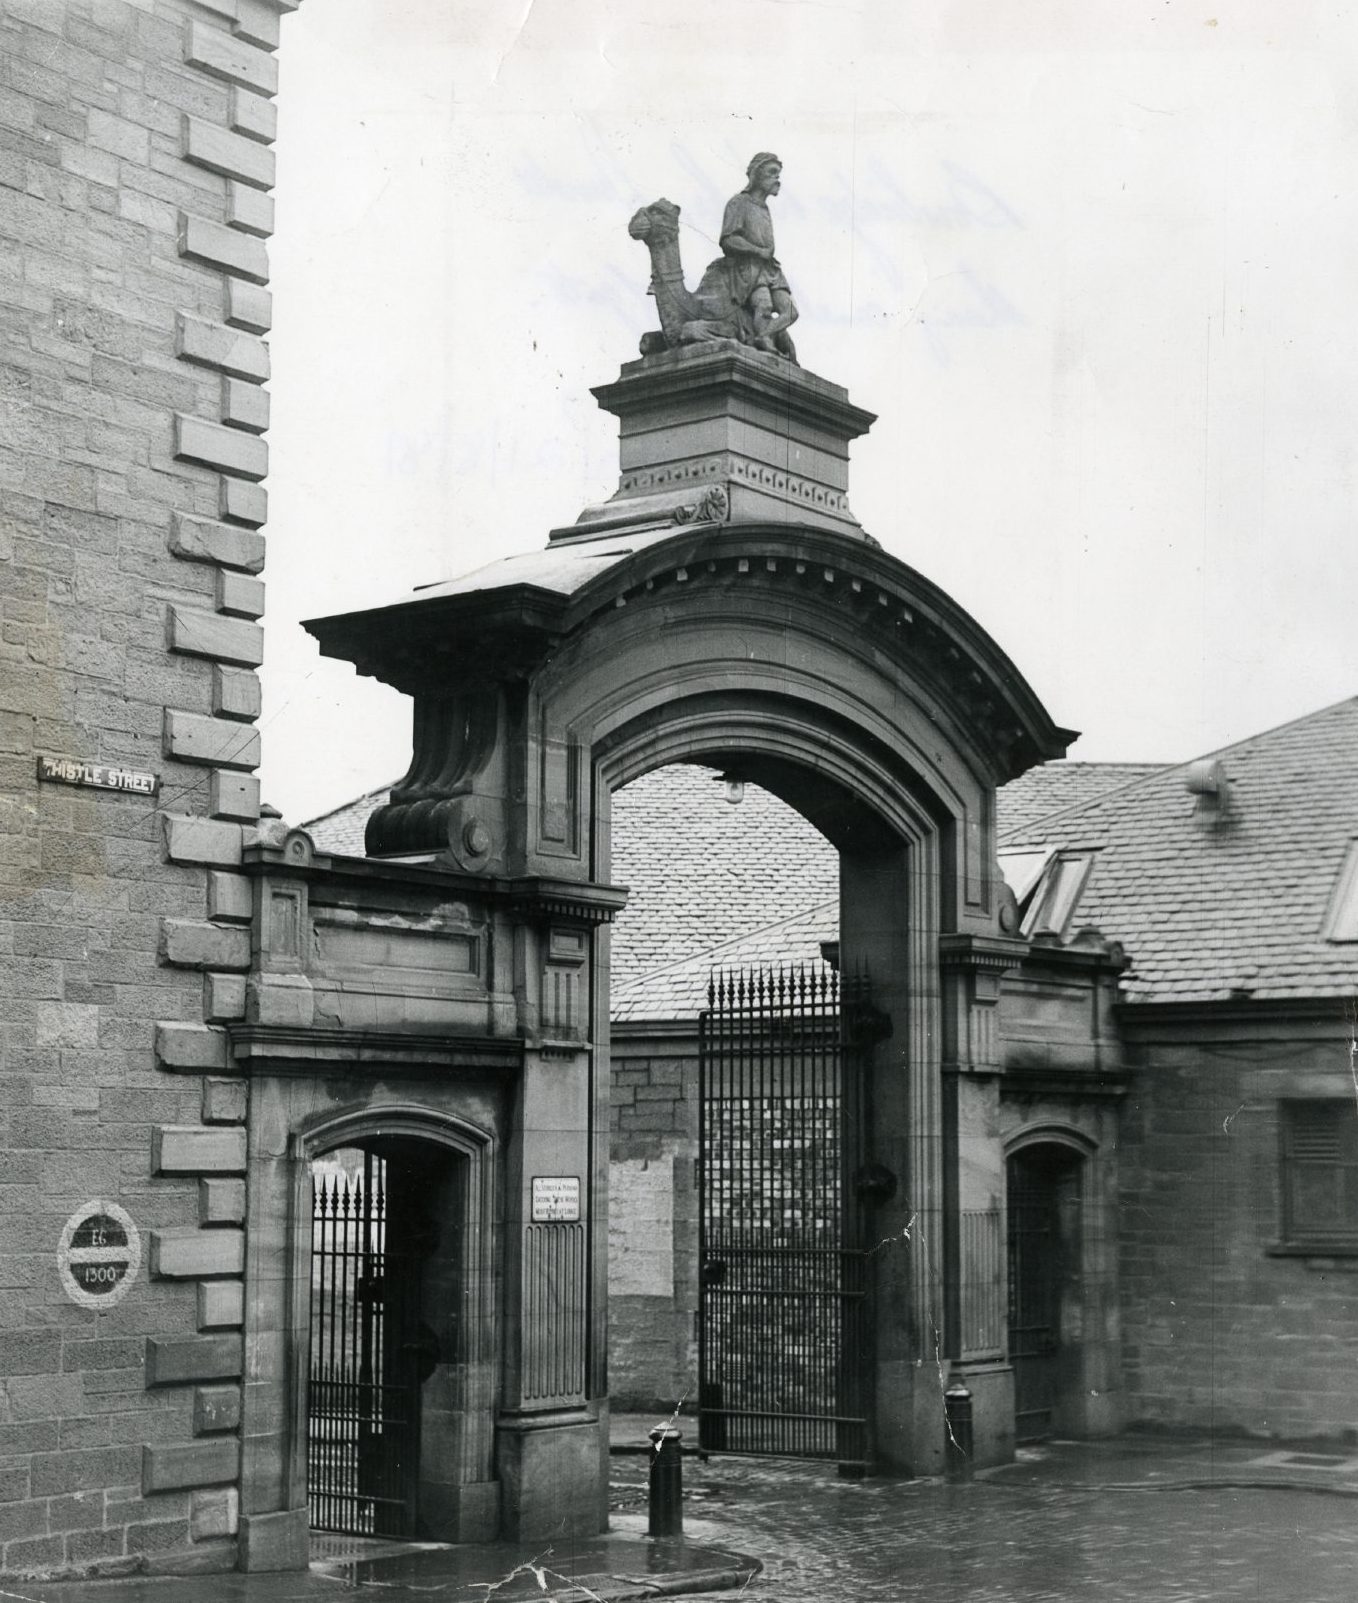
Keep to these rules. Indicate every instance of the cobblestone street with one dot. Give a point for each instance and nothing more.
(1022, 1536)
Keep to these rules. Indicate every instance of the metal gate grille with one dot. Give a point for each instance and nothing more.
(363, 1393)
(782, 1266)
(1044, 1232)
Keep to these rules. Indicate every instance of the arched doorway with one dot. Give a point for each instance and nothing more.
(1044, 1185)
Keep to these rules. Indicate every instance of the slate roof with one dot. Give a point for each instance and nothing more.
(702, 873)
(1209, 913)
(341, 829)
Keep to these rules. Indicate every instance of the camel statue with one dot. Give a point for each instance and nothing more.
(711, 312)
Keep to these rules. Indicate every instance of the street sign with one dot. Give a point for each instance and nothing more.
(97, 776)
(99, 1255)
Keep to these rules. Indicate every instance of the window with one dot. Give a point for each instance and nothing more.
(1022, 867)
(1052, 904)
(1341, 920)
(1320, 1174)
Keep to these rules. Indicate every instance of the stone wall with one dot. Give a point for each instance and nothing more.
(653, 1222)
(1220, 1332)
(135, 166)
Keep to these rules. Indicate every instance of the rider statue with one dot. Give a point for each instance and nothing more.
(757, 281)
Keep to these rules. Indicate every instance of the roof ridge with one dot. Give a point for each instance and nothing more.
(711, 951)
(1020, 832)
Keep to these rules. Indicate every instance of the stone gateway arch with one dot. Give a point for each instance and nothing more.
(724, 607)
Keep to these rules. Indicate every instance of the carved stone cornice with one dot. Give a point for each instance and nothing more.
(1047, 1080)
(296, 1049)
(980, 954)
(696, 376)
(544, 899)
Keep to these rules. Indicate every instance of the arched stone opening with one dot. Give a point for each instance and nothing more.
(1062, 1306)
(397, 1427)
(802, 656)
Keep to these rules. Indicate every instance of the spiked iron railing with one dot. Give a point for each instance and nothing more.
(361, 1401)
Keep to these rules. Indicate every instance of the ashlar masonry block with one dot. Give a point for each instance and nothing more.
(225, 1101)
(252, 116)
(245, 406)
(216, 245)
(257, 21)
(249, 210)
(194, 739)
(221, 1305)
(185, 943)
(208, 634)
(197, 1255)
(248, 306)
(193, 1149)
(230, 350)
(178, 1361)
(240, 596)
(190, 839)
(190, 1048)
(230, 898)
(223, 998)
(242, 502)
(236, 693)
(198, 541)
(172, 1469)
(214, 53)
(221, 1202)
(234, 796)
(216, 1408)
(215, 446)
(214, 1513)
(206, 145)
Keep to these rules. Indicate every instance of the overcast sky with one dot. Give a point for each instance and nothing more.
(1092, 264)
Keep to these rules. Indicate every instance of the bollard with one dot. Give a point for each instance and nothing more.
(667, 1482)
(958, 1440)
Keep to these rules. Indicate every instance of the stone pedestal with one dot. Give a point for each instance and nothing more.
(718, 433)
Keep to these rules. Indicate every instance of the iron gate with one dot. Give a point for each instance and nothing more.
(1044, 1232)
(782, 1315)
(363, 1393)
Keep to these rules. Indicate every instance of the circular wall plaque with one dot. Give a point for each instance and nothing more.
(99, 1255)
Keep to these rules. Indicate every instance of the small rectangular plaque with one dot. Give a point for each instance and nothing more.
(97, 776)
(555, 1196)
